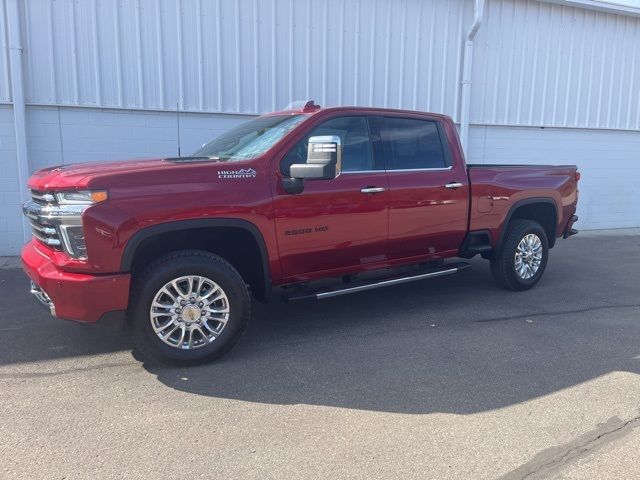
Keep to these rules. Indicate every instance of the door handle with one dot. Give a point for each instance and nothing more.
(372, 190)
(453, 185)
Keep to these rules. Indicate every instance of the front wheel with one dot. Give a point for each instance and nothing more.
(523, 257)
(188, 307)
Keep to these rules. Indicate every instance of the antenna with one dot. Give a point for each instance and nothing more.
(178, 121)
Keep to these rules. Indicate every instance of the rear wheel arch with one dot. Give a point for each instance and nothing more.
(237, 241)
(540, 209)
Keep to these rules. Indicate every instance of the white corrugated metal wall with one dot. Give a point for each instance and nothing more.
(536, 64)
(244, 56)
(541, 64)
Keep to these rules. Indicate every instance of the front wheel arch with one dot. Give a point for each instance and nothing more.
(150, 243)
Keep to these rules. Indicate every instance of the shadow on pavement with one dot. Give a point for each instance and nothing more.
(29, 334)
(454, 345)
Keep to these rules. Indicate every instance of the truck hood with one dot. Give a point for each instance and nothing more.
(78, 175)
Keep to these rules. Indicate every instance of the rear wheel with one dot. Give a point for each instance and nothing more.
(521, 262)
(188, 307)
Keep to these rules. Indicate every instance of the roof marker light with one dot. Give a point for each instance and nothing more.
(310, 106)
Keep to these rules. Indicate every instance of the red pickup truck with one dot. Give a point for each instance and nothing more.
(180, 244)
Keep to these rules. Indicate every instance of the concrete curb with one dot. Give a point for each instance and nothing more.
(10, 262)
(14, 262)
(615, 232)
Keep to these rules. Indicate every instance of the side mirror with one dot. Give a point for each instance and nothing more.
(324, 159)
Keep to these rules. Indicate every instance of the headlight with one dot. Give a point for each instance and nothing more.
(81, 197)
(70, 227)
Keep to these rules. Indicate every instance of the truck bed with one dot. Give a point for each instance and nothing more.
(497, 189)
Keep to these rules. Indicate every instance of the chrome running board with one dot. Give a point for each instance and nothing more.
(447, 269)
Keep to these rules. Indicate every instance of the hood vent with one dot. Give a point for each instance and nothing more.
(188, 159)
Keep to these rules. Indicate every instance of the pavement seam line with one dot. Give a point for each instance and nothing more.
(27, 375)
(553, 459)
(560, 312)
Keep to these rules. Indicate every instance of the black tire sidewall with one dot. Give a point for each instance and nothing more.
(523, 228)
(165, 270)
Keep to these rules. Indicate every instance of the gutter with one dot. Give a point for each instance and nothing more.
(617, 8)
(465, 93)
(17, 89)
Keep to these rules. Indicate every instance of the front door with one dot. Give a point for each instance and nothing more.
(338, 223)
(428, 192)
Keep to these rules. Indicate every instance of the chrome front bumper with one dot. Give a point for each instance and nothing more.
(43, 298)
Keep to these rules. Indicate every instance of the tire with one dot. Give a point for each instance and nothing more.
(208, 334)
(505, 262)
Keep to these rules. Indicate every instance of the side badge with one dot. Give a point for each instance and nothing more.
(242, 173)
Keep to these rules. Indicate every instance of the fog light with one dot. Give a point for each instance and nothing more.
(73, 239)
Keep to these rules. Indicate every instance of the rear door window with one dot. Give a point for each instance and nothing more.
(412, 144)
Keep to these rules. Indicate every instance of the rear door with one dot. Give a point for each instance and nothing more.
(428, 193)
(339, 223)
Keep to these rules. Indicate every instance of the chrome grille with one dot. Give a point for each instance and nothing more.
(43, 227)
(42, 198)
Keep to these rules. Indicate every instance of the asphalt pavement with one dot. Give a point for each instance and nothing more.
(449, 378)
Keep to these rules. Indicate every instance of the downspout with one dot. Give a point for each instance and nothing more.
(465, 94)
(15, 55)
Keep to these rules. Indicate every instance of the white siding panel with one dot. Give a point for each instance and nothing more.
(245, 56)
(536, 63)
(548, 65)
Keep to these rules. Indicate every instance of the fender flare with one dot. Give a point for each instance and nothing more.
(522, 203)
(137, 238)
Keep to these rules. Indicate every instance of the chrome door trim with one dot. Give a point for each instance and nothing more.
(436, 169)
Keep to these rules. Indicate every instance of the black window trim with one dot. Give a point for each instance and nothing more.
(376, 148)
(445, 144)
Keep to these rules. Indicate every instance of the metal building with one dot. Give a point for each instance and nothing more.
(553, 81)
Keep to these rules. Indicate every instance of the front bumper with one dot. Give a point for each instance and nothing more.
(73, 296)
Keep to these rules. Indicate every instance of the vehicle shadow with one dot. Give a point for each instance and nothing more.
(455, 345)
(29, 334)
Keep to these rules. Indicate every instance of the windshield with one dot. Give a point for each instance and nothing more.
(251, 139)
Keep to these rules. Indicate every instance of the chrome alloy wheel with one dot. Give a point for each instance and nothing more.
(528, 256)
(189, 312)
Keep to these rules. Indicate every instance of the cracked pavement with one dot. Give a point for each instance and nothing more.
(449, 378)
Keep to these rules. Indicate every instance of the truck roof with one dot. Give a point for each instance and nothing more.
(310, 108)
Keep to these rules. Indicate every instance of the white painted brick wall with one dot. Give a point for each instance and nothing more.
(608, 160)
(11, 235)
(69, 135)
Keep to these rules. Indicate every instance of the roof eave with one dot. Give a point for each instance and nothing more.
(599, 6)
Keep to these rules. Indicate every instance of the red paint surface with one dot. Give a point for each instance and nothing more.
(415, 219)
(76, 296)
